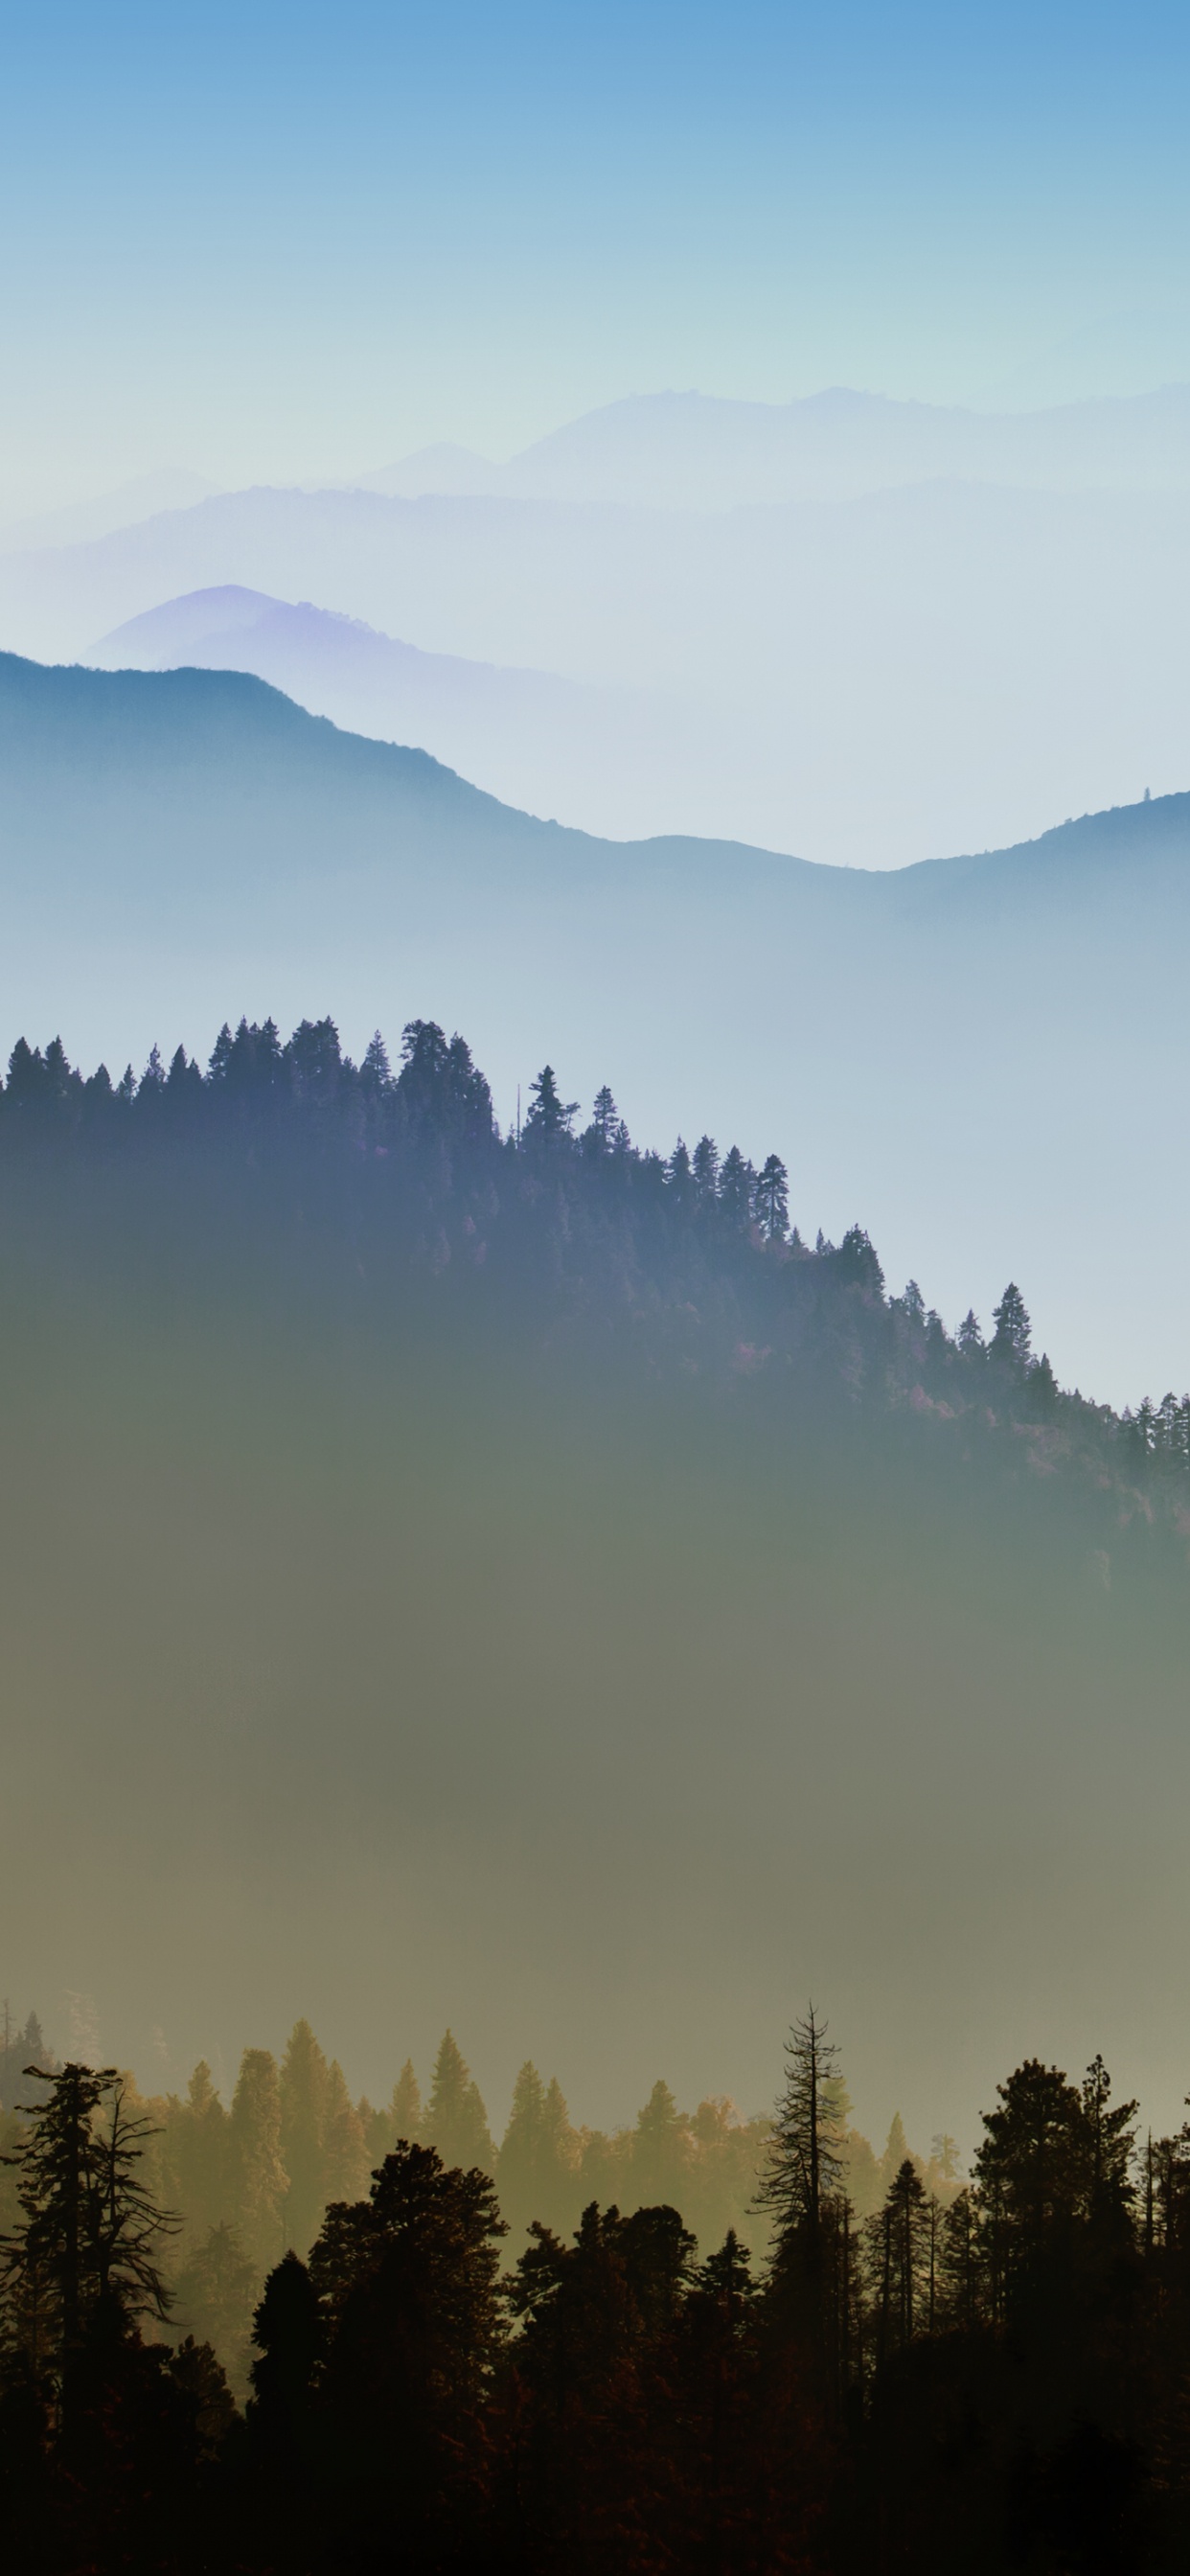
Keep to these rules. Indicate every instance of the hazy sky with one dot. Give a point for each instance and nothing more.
(294, 242)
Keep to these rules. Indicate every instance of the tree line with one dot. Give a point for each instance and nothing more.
(687, 1261)
(983, 2378)
(248, 2179)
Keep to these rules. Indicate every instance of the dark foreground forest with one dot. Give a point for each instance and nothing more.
(984, 2374)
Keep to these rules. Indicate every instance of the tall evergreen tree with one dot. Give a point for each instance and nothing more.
(303, 2103)
(801, 2189)
(1011, 1339)
(736, 1178)
(343, 2171)
(258, 2179)
(704, 1166)
(405, 2109)
(771, 1200)
(661, 2152)
(90, 2235)
(455, 2122)
(549, 1116)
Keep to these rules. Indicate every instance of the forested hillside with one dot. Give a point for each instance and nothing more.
(568, 1237)
(924, 1044)
(516, 1581)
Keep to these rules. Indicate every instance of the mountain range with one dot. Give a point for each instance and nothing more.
(693, 451)
(925, 1047)
(530, 738)
(870, 631)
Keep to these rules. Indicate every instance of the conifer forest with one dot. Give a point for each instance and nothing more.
(594, 1339)
(299, 2330)
(227, 2344)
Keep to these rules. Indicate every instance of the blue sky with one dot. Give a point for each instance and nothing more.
(295, 242)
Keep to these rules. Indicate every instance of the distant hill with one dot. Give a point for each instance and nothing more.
(697, 451)
(80, 522)
(977, 1056)
(531, 738)
(867, 679)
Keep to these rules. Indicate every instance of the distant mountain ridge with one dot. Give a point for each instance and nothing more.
(523, 734)
(699, 451)
(866, 680)
(972, 1055)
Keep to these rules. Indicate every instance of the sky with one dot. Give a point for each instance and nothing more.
(294, 243)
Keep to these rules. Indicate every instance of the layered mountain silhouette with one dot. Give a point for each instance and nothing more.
(531, 738)
(693, 451)
(926, 1047)
(866, 679)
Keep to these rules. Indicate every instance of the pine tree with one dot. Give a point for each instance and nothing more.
(961, 2281)
(704, 1166)
(195, 2153)
(660, 2152)
(801, 2188)
(771, 1200)
(258, 2179)
(375, 1073)
(303, 2098)
(289, 2332)
(343, 2170)
(607, 1133)
(89, 2234)
(455, 2121)
(548, 1117)
(214, 2292)
(408, 2284)
(901, 2244)
(518, 2165)
(1010, 1341)
(804, 2161)
(735, 1190)
(896, 2149)
(970, 1336)
(405, 2109)
(1112, 2135)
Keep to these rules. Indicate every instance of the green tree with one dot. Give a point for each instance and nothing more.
(961, 2264)
(89, 2236)
(801, 2191)
(405, 2109)
(901, 2256)
(195, 2154)
(1011, 1339)
(258, 2179)
(736, 1180)
(302, 2087)
(214, 2292)
(607, 1133)
(549, 1116)
(289, 2332)
(456, 2122)
(408, 2284)
(771, 1200)
(344, 2168)
(805, 2154)
(1111, 2132)
(704, 1168)
(896, 2148)
(661, 2151)
(518, 2164)
(1034, 2168)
